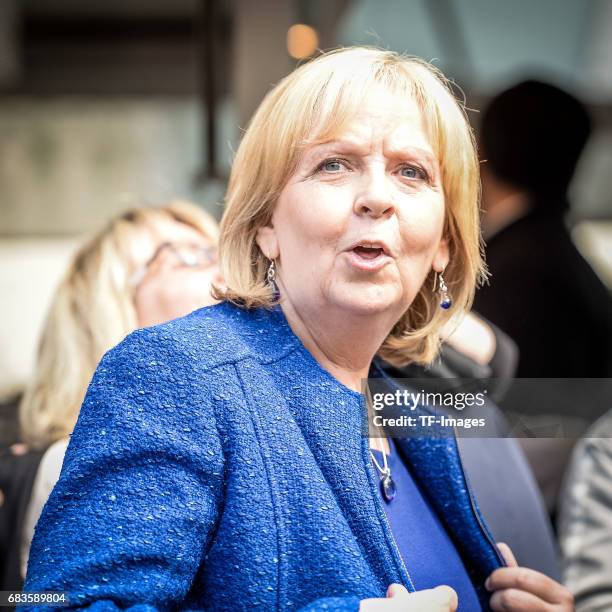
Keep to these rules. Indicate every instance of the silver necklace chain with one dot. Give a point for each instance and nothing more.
(384, 471)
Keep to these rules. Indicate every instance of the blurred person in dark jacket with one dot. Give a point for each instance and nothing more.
(541, 292)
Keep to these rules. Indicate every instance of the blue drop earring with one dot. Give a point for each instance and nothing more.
(445, 299)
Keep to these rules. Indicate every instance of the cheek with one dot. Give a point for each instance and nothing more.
(421, 227)
(311, 216)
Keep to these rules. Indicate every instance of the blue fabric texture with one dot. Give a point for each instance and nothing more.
(424, 543)
(215, 465)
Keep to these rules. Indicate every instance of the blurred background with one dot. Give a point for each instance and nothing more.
(107, 104)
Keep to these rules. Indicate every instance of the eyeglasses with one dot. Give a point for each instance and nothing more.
(181, 254)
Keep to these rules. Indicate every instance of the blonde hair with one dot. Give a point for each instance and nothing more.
(314, 104)
(91, 311)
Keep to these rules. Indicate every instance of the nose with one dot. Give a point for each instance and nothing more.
(375, 197)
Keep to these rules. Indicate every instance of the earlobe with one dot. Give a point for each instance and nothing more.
(441, 257)
(267, 242)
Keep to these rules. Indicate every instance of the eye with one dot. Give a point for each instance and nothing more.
(332, 166)
(413, 172)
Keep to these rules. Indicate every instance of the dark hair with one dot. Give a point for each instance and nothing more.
(532, 136)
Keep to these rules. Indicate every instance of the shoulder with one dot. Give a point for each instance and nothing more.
(592, 457)
(188, 369)
(162, 376)
(587, 484)
(188, 365)
(160, 393)
(204, 339)
(209, 338)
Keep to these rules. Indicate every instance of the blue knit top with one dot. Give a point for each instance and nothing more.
(215, 465)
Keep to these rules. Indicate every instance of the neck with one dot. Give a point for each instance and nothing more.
(343, 344)
(503, 212)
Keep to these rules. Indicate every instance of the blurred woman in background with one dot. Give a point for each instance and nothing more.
(147, 266)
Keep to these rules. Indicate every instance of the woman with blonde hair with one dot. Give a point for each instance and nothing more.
(147, 266)
(219, 461)
(103, 297)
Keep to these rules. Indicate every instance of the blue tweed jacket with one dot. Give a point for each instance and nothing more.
(216, 466)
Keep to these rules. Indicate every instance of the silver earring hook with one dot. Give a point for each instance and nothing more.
(271, 273)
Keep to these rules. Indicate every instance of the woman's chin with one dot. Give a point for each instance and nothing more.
(369, 301)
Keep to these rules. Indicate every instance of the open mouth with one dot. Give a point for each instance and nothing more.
(368, 252)
(369, 256)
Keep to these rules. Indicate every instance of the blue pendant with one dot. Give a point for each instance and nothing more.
(446, 303)
(388, 488)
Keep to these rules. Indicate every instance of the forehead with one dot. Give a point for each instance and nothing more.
(169, 230)
(380, 116)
